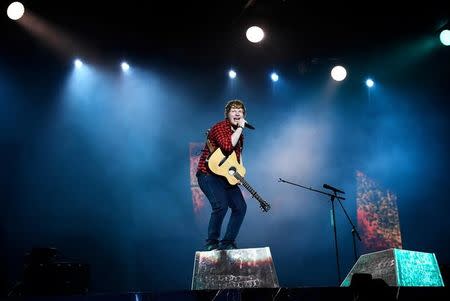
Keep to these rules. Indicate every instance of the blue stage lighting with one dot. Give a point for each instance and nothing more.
(445, 37)
(78, 63)
(125, 66)
(369, 83)
(274, 76)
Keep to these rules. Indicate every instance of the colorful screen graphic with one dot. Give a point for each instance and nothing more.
(377, 215)
(198, 197)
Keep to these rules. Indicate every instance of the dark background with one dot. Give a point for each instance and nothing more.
(96, 164)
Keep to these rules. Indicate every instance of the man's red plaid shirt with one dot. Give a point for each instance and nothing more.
(220, 136)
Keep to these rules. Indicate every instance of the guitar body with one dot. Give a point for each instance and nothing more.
(219, 164)
(234, 172)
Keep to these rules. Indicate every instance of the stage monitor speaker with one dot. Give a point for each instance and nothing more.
(48, 272)
(397, 267)
(56, 278)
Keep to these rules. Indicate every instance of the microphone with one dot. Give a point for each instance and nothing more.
(248, 125)
(326, 186)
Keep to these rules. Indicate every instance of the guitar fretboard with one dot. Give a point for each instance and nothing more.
(246, 184)
(264, 205)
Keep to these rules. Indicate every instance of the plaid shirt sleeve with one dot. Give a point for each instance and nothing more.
(220, 136)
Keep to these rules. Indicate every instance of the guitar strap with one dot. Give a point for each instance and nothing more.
(209, 144)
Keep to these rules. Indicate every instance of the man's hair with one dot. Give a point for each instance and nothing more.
(234, 103)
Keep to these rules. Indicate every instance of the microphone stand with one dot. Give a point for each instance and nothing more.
(354, 231)
(332, 198)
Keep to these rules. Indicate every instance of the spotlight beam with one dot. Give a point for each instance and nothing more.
(62, 42)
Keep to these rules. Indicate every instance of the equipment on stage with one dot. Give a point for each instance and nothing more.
(396, 267)
(47, 272)
(334, 197)
(234, 269)
(326, 186)
(249, 126)
(234, 172)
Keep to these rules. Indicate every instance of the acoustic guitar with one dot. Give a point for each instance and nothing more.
(234, 172)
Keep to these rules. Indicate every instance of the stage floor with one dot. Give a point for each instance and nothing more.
(262, 294)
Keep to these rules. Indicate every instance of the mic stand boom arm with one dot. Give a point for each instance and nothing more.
(309, 188)
(332, 198)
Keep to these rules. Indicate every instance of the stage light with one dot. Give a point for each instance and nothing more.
(274, 77)
(78, 63)
(255, 34)
(338, 73)
(15, 10)
(445, 37)
(369, 83)
(125, 66)
(232, 74)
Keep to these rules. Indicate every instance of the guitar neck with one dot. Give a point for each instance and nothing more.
(263, 204)
(247, 186)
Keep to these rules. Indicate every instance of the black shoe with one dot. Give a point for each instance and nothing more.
(212, 245)
(227, 245)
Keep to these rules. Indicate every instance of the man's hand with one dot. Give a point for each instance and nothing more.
(242, 122)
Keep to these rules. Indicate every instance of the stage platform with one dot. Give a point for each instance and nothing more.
(263, 294)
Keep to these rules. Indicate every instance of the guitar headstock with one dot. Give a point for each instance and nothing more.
(264, 206)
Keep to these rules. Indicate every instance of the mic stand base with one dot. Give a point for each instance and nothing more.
(354, 245)
(335, 241)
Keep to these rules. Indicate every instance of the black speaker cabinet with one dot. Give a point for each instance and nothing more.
(56, 278)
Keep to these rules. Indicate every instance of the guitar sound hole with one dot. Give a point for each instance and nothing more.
(232, 170)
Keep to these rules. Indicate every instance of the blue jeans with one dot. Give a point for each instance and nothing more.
(222, 195)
